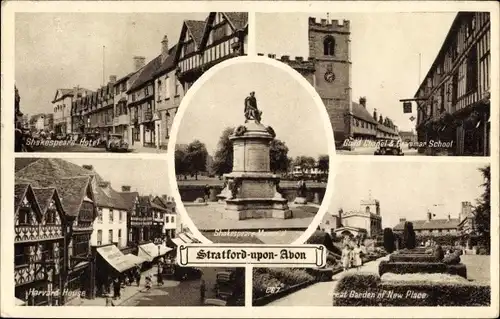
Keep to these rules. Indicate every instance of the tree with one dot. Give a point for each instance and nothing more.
(482, 211)
(180, 161)
(304, 162)
(196, 157)
(409, 236)
(223, 159)
(279, 156)
(324, 164)
(389, 240)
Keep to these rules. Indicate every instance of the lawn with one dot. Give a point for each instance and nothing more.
(478, 267)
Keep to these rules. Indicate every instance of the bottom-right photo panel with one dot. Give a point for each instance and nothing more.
(397, 234)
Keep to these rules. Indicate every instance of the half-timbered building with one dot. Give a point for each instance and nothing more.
(38, 244)
(454, 106)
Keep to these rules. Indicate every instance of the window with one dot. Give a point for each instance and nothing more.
(367, 209)
(120, 216)
(329, 46)
(167, 88)
(159, 90)
(146, 91)
(327, 222)
(111, 217)
(176, 87)
(50, 218)
(119, 236)
(472, 70)
(99, 237)
(21, 254)
(172, 219)
(219, 33)
(110, 239)
(24, 215)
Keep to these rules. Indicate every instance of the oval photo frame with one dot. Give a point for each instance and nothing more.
(327, 127)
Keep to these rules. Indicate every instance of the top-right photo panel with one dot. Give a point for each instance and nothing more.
(392, 83)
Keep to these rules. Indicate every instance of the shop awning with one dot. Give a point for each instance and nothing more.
(164, 249)
(178, 242)
(20, 302)
(138, 260)
(148, 252)
(116, 259)
(185, 238)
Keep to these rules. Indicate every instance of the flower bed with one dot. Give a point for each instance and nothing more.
(362, 289)
(413, 258)
(419, 267)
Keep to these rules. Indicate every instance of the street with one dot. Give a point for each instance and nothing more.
(77, 148)
(371, 150)
(175, 293)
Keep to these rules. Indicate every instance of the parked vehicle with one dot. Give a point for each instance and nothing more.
(116, 143)
(389, 148)
(224, 284)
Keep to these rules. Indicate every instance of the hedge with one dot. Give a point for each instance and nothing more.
(416, 267)
(290, 276)
(349, 292)
(413, 258)
(261, 282)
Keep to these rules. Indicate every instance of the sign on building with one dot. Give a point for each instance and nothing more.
(407, 107)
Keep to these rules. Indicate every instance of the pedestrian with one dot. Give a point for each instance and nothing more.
(138, 277)
(160, 279)
(356, 254)
(109, 301)
(148, 282)
(203, 289)
(346, 256)
(207, 193)
(116, 288)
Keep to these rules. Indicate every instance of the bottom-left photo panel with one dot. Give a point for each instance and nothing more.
(104, 232)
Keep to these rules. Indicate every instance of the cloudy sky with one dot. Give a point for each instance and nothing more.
(65, 50)
(407, 189)
(385, 50)
(219, 103)
(146, 176)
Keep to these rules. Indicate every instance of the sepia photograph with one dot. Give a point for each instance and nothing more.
(92, 232)
(420, 236)
(243, 173)
(391, 87)
(112, 82)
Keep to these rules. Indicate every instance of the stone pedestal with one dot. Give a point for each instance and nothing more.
(300, 200)
(252, 188)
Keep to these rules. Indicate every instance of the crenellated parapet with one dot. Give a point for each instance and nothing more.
(329, 25)
(298, 63)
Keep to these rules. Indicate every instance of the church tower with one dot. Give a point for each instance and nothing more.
(329, 45)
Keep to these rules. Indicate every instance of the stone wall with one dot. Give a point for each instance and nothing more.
(190, 193)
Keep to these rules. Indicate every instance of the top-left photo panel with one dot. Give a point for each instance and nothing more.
(112, 82)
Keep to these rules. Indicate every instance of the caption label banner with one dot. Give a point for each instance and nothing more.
(200, 255)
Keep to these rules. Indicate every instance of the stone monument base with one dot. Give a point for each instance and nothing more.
(247, 208)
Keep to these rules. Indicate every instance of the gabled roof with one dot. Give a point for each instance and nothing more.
(69, 92)
(430, 224)
(195, 28)
(49, 171)
(44, 196)
(238, 20)
(129, 199)
(22, 190)
(169, 63)
(146, 74)
(362, 113)
(386, 129)
(72, 192)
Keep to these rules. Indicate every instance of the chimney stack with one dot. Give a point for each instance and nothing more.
(429, 216)
(449, 217)
(165, 197)
(164, 49)
(402, 220)
(375, 114)
(362, 101)
(139, 62)
(112, 79)
(126, 188)
(104, 184)
(88, 167)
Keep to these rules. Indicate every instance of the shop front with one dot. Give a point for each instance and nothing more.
(111, 263)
